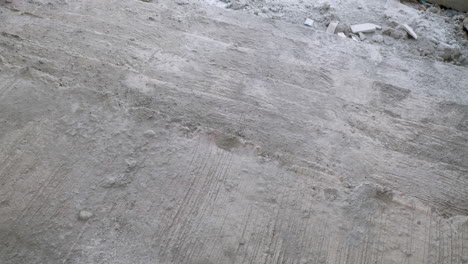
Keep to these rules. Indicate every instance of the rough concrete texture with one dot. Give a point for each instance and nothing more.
(174, 132)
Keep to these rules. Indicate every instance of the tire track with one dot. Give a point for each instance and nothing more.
(45, 184)
(14, 153)
(5, 89)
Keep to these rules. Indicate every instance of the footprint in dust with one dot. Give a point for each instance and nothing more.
(227, 142)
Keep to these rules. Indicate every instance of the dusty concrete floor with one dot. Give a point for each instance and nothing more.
(171, 132)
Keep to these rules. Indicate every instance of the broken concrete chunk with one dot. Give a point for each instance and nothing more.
(332, 27)
(355, 38)
(410, 31)
(341, 34)
(309, 22)
(367, 27)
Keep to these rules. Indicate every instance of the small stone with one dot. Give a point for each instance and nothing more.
(378, 38)
(309, 22)
(341, 34)
(109, 183)
(149, 133)
(131, 164)
(84, 215)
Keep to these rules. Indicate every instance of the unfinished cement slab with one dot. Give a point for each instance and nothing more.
(172, 132)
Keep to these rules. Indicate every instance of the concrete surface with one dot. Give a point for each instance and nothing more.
(172, 132)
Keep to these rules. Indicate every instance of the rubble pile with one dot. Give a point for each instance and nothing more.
(416, 27)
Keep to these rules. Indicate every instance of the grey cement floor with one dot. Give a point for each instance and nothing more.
(169, 132)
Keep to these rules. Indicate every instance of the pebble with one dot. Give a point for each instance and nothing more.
(131, 164)
(84, 215)
(149, 133)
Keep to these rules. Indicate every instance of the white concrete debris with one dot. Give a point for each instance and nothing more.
(341, 34)
(366, 27)
(332, 27)
(309, 22)
(410, 31)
